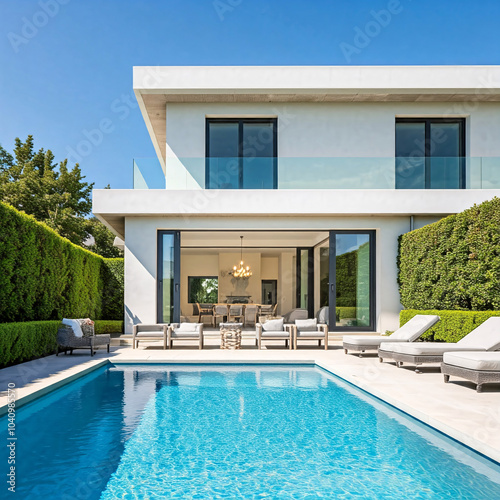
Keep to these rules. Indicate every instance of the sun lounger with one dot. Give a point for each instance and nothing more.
(409, 332)
(478, 367)
(485, 337)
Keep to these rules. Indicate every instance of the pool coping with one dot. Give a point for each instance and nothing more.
(25, 395)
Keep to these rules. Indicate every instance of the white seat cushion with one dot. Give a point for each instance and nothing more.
(149, 334)
(479, 361)
(373, 340)
(414, 328)
(310, 333)
(278, 334)
(184, 335)
(424, 348)
(75, 326)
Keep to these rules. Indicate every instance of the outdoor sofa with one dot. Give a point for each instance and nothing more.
(485, 337)
(409, 332)
(478, 367)
(79, 334)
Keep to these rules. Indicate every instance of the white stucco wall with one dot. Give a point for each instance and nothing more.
(320, 130)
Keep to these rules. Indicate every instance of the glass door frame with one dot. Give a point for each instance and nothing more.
(332, 285)
(176, 316)
(310, 279)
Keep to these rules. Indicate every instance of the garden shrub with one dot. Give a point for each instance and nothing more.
(24, 341)
(453, 325)
(108, 326)
(453, 264)
(46, 277)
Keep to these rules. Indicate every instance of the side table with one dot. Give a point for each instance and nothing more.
(230, 335)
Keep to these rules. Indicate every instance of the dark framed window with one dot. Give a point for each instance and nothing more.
(203, 289)
(241, 153)
(305, 279)
(168, 276)
(430, 153)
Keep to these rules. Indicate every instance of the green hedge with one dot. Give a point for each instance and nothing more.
(24, 341)
(452, 326)
(46, 277)
(107, 326)
(454, 263)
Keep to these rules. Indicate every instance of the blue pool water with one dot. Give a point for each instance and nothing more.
(156, 432)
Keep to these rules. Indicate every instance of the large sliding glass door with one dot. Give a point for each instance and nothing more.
(168, 277)
(352, 280)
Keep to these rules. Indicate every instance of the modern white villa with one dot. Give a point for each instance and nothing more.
(319, 169)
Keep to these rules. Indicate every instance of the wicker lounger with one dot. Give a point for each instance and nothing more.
(409, 332)
(478, 367)
(485, 337)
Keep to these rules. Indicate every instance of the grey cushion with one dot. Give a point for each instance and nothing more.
(310, 333)
(414, 328)
(273, 325)
(183, 334)
(149, 334)
(277, 333)
(305, 325)
(479, 361)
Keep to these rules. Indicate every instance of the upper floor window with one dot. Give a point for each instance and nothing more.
(241, 153)
(429, 153)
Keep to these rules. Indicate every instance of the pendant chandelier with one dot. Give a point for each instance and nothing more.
(241, 271)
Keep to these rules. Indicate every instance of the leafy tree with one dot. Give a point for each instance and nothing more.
(31, 182)
(102, 239)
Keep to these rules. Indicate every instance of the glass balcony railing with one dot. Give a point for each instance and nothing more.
(318, 173)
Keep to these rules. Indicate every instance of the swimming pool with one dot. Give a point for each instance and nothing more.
(238, 431)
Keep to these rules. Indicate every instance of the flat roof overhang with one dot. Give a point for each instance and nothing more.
(156, 86)
(112, 206)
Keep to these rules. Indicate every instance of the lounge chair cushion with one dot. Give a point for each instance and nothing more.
(373, 340)
(149, 334)
(183, 334)
(486, 336)
(75, 326)
(478, 361)
(412, 330)
(424, 348)
(273, 325)
(310, 333)
(306, 325)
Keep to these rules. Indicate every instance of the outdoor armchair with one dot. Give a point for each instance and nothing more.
(185, 331)
(79, 334)
(149, 332)
(309, 329)
(409, 332)
(274, 329)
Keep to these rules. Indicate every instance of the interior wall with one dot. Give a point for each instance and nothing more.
(229, 285)
(269, 268)
(195, 265)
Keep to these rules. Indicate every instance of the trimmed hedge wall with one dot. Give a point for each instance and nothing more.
(46, 277)
(453, 325)
(24, 341)
(453, 263)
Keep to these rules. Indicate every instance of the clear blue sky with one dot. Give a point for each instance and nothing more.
(64, 71)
